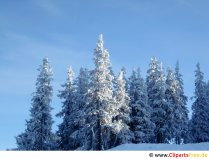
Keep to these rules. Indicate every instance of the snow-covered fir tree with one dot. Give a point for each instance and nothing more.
(81, 102)
(200, 117)
(141, 124)
(68, 115)
(122, 119)
(156, 99)
(38, 133)
(183, 126)
(125, 79)
(173, 112)
(99, 127)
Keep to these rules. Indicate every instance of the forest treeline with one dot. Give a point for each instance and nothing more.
(101, 110)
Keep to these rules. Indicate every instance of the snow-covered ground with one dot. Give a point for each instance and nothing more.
(153, 147)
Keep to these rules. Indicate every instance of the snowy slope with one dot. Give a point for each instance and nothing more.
(144, 147)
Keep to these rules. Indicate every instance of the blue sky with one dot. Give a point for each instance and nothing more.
(67, 31)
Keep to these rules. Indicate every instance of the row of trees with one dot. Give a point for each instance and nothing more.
(100, 111)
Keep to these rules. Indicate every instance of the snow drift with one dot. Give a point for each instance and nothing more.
(153, 147)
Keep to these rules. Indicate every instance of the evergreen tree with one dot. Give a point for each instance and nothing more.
(69, 109)
(200, 117)
(156, 99)
(125, 79)
(82, 87)
(172, 125)
(38, 133)
(99, 127)
(141, 124)
(81, 102)
(183, 126)
(122, 119)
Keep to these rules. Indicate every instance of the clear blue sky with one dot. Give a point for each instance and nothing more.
(67, 30)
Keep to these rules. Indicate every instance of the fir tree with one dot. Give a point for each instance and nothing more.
(141, 124)
(173, 112)
(99, 127)
(200, 117)
(38, 134)
(182, 136)
(69, 109)
(125, 79)
(122, 119)
(156, 99)
(81, 102)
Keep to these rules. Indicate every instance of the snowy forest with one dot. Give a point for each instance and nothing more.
(101, 109)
